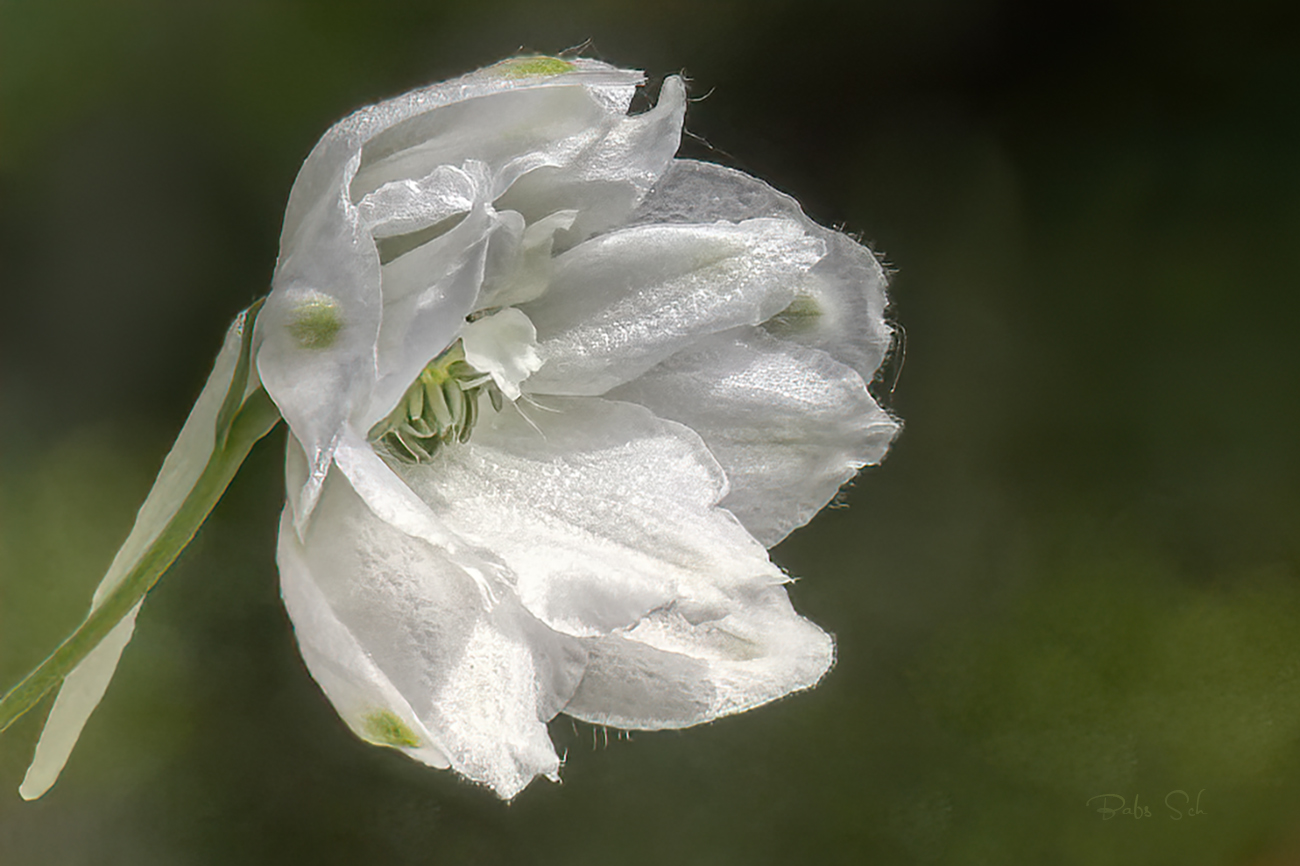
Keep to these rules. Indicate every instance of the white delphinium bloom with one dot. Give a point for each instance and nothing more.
(551, 394)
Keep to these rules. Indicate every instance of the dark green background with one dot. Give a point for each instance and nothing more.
(1077, 573)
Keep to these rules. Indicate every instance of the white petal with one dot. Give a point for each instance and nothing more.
(846, 288)
(622, 302)
(387, 496)
(789, 424)
(482, 682)
(184, 464)
(392, 126)
(427, 292)
(504, 346)
(500, 128)
(81, 692)
(673, 672)
(317, 331)
(85, 686)
(391, 501)
(603, 175)
(363, 696)
(602, 511)
(520, 271)
(413, 204)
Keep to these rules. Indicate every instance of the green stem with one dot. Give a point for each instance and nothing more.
(254, 420)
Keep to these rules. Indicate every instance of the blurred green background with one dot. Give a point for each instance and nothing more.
(1077, 574)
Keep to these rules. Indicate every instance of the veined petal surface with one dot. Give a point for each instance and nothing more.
(601, 511)
(674, 671)
(788, 424)
(844, 309)
(624, 301)
(481, 680)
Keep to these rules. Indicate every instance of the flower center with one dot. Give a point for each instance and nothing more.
(438, 409)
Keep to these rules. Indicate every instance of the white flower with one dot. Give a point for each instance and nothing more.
(551, 393)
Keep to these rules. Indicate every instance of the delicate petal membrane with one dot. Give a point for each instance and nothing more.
(427, 293)
(503, 346)
(602, 511)
(843, 297)
(789, 424)
(673, 672)
(607, 175)
(510, 130)
(623, 301)
(360, 692)
(481, 681)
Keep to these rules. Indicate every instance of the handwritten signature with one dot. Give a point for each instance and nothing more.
(1179, 803)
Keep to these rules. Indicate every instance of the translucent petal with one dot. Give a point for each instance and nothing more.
(846, 288)
(415, 117)
(789, 424)
(521, 269)
(81, 692)
(363, 696)
(623, 301)
(504, 346)
(391, 501)
(85, 686)
(602, 176)
(511, 131)
(414, 204)
(481, 681)
(384, 493)
(672, 672)
(317, 331)
(427, 292)
(601, 511)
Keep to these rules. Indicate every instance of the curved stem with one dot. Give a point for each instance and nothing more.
(257, 418)
(239, 424)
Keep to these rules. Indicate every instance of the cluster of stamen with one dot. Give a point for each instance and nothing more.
(438, 409)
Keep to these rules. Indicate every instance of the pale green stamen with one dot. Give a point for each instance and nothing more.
(438, 409)
(384, 728)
